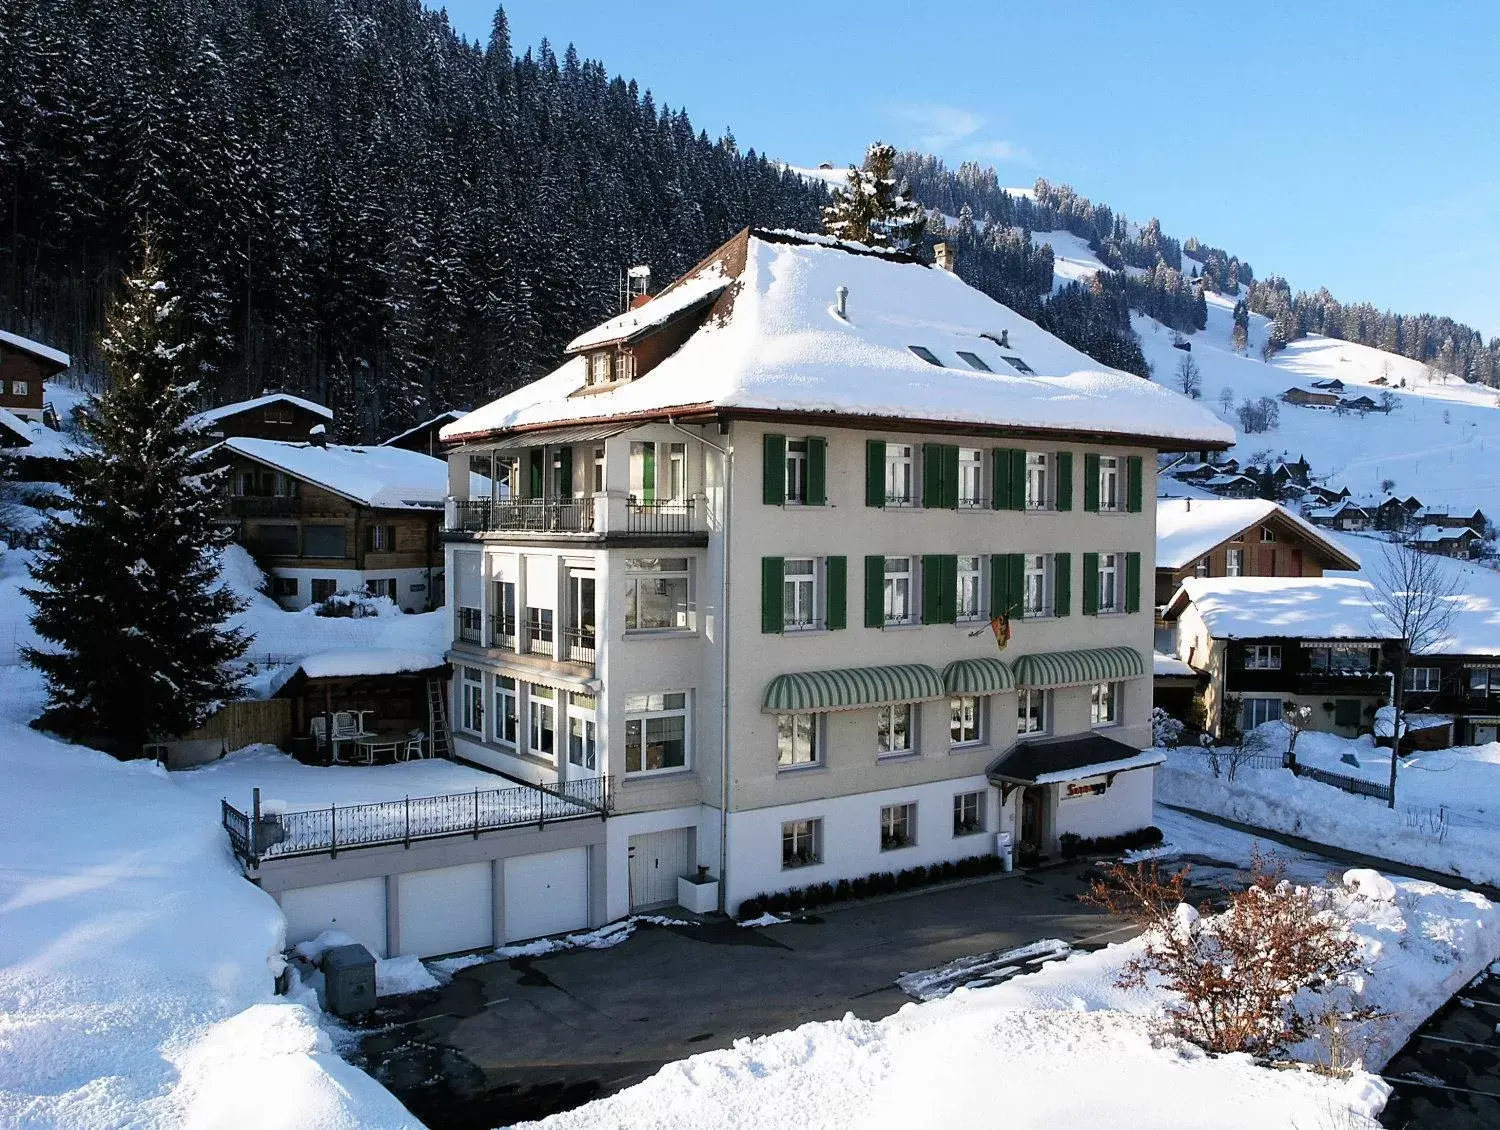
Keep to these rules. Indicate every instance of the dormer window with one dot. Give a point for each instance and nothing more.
(1018, 365)
(925, 354)
(601, 367)
(974, 361)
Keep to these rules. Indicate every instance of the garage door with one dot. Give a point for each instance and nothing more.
(357, 908)
(546, 894)
(446, 910)
(657, 860)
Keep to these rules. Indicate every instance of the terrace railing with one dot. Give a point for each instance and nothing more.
(523, 515)
(674, 516)
(328, 831)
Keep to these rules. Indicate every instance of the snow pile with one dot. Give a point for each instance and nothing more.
(603, 938)
(1385, 722)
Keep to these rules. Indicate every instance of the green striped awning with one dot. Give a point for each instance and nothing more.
(978, 676)
(1074, 668)
(850, 688)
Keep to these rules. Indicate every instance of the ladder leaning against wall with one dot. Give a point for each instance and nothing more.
(437, 718)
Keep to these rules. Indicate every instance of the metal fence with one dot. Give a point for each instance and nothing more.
(669, 517)
(542, 515)
(1359, 786)
(320, 831)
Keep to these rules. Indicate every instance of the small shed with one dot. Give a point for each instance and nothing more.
(393, 683)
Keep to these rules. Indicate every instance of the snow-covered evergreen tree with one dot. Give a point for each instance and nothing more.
(126, 584)
(871, 208)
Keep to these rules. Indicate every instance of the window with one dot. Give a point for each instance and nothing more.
(1425, 680)
(1017, 364)
(583, 733)
(274, 540)
(1234, 563)
(543, 715)
(1031, 711)
(898, 826)
(1109, 482)
(970, 603)
(970, 478)
(925, 354)
(19, 388)
(642, 471)
(380, 538)
(968, 814)
(1200, 567)
(899, 485)
(656, 594)
(796, 472)
(283, 587)
(507, 713)
(796, 740)
(539, 630)
(1267, 535)
(278, 414)
(381, 586)
(801, 843)
(1340, 658)
(893, 725)
(1258, 711)
(1262, 657)
(963, 725)
(323, 588)
(601, 368)
(1036, 480)
(1110, 574)
(655, 732)
(1104, 704)
(471, 701)
(1484, 681)
(677, 472)
(322, 541)
(799, 600)
(598, 469)
(974, 361)
(503, 628)
(898, 590)
(1037, 598)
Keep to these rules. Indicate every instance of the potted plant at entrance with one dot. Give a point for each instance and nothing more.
(698, 893)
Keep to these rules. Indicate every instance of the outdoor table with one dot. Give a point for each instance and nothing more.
(386, 741)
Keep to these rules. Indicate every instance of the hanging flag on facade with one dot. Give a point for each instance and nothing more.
(1000, 625)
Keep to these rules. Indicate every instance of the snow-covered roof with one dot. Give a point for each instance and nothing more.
(1434, 534)
(41, 441)
(214, 415)
(1336, 509)
(1169, 665)
(1187, 529)
(1306, 607)
(1168, 487)
(658, 312)
(36, 348)
(1227, 480)
(775, 343)
(349, 662)
(389, 478)
(450, 415)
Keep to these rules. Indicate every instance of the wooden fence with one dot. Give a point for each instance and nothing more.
(246, 723)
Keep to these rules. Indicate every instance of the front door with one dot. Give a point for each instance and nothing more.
(1033, 817)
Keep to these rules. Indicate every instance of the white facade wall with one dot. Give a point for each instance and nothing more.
(411, 584)
(1124, 807)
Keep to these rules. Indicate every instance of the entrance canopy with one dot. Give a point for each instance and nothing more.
(1051, 760)
(851, 688)
(1076, 668)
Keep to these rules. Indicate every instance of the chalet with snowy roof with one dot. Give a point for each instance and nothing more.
(1358, 404)
(1322, 495)
(25, 368)
(423, 437)
(1474, 520)
(819, 562)
(1449, 541)
(1305, 399)
(1345, 514)
(1290, 474)
(1267, 642)
(1389, 512)
(325, 518)
(275, 416)
(1231, 486)
(1334, 385)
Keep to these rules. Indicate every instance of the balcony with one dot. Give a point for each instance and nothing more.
(680, 520)
(522, 515)
(579, 647)
(503, 632)
(670, 517)
(1343, 682)
(263, 506)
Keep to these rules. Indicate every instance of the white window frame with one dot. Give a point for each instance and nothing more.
(507, 701)
(900, 475)
(801, 595)
(965, 717)
(1109, 484)
(969, 600)
(540, 708)
(644, 712)
(892, 589)
(19, 388)
(1037, 581)
(1111, 590)
(1234, 562)
(1201, 567)
(584, 709)
(970, 478)
(1104, 704)
(902, 815)
(895, 721)
(804, 837)
(796, 471)
(471, 701)
(1431, 681)
(1026, 699)
(636, 572)
(1252, 706)
(677, 472)
(1267, 535)
(963, 804)
(789, 728)
(601, 367)
(598, 468)
(1038, 481)
(1262, 657)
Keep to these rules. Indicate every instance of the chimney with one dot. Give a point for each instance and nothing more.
(1004, 339)
(945, 256)
(841, 302)
(1188, 508)
(318, 436)
(636, 290)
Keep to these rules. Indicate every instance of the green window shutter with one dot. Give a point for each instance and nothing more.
(1133, 487)
(1091, 584)
(772, 577)
(1016, 566)
(565, 472)
(817, 471)
(1062, 583)
(773, 470)
(1000, 476)
(1007, 582)
(932, 588)
(950, 588)
(648, 473)
(534, 471)
(999, 592)
(950, 477)
(1065, 480)
(837, 569)
(1091, 482)
(1017, 480)
(1132, 582)
(874, 592)
(874, 472)
(932, 475)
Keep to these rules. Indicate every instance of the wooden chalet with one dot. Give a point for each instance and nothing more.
(424, 437)
(276, 415)
(25, 367)
(1306, 399)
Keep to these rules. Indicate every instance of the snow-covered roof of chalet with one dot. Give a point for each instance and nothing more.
(450, 415)
(1186, 529)
(773, 343)
(1430, 535)
(1258, 607)
(214, 415)
(1337, 508)
(658, 312)
(36, 348)
(388, 478)
(41, 441)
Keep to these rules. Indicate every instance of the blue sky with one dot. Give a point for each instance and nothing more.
(1352, 146)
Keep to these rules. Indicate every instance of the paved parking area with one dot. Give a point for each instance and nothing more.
(521, 1038)
(1448, 1076)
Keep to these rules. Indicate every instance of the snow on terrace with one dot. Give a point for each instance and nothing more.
(391, 478)
(783, 347)
(1329, 607)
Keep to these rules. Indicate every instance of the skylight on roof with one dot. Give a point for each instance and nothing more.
(1018, 365)
(925, 354)
(975, 361)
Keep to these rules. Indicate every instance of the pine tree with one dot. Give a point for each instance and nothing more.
(871, 208)
(126, 582)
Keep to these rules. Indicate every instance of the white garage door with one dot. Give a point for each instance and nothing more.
(446, 910)
(357, 908)
(546, 894)
(657, 859)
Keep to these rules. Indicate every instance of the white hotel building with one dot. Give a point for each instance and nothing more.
(754, 536)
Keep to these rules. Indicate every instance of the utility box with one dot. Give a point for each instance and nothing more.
(348, 980)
